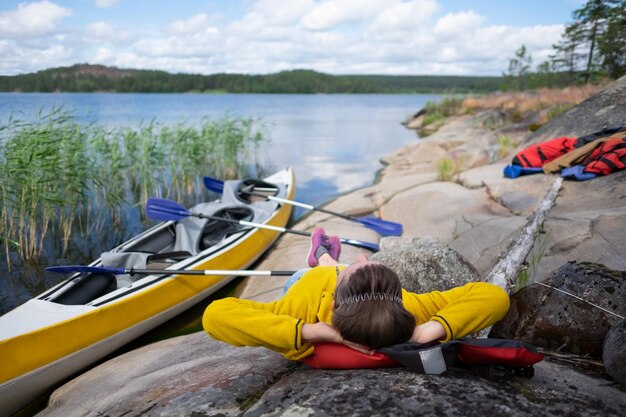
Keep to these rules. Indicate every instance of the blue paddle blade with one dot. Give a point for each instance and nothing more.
(383, 227)
(70, 269)
(213, 184)
(162, 209)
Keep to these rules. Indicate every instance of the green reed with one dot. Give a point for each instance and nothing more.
(59, 177)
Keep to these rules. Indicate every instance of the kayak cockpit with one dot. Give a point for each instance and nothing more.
(178, 245)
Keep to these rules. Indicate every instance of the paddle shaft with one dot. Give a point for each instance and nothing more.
(133, 271)
(372, 246)
(70, 269)
(298, 204)
(383, 227)
(162, 209)
(250, 224)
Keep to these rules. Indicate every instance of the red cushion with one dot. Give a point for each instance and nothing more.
(337, 356)
(518, 356)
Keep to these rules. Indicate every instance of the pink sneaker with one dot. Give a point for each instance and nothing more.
(320, 244)
(334, 247)
(318, 238)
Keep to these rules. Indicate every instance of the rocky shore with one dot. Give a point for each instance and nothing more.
(453, 228)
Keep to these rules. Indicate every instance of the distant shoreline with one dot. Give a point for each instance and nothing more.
(84, 78)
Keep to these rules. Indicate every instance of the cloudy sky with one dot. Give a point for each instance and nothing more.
(264, 36)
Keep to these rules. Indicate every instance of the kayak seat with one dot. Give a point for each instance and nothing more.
(165, 259)
(250, 191)
(87, 289)
(214, 231)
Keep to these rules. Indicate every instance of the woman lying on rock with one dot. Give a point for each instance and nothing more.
(361, 305)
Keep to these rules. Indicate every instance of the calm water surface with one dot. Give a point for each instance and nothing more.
(334, 142)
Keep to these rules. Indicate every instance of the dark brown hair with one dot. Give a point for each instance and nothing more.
(368, 308)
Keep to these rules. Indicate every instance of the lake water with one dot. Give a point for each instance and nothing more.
(334, 142)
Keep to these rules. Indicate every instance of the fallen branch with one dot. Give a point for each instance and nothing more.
(571, 358)
(505, 271)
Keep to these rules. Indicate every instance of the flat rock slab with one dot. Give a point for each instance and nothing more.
(179, 376)
(469, 220)
(586, 225)
(195, 376)
(520, 195)
(555, 391)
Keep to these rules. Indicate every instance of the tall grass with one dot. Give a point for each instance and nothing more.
(529, 101)
(449, 106)
(58, 176)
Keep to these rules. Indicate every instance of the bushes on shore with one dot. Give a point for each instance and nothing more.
(531, 108)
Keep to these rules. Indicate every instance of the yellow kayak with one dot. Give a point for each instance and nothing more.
(88, 316)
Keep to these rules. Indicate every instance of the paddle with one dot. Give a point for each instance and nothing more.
(383, 227)
(132, 271)
(162, 209)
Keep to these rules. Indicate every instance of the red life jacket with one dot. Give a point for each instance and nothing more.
(480, 355)
(609, 131)
(536, 155)
(608, 157)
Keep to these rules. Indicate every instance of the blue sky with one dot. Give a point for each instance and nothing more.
(264, 36)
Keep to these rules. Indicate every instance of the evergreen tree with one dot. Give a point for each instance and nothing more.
(612, 43)
(566, 55)
(591, 20)
(518, 69)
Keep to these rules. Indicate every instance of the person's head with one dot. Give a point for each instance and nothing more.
(368, 306)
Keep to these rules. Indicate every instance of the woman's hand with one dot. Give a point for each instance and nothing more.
(427, 332)
(322, 332)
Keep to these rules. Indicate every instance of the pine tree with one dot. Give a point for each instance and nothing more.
(566, 55)
(518, 68)
(612, 43)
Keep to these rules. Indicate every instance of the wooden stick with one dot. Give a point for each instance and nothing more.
(511, 263)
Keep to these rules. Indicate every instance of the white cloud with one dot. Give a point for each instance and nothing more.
(32, 19)
(197, 44)
(329, 14)
(458, 24)
(105, 4)
(105, 32)
(104, 56)
(404, 16)
(280, 12)
(198, 23)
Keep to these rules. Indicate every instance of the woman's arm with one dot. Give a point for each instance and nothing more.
(427, 332)
(323, 332)
(276, 325)
(459, 311)
(247, 323)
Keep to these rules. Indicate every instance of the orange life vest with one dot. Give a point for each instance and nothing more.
(608, 157)
(536, 155)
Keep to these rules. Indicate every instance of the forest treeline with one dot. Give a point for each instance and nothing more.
(94, 78)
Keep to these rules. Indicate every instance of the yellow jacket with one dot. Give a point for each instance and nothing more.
(278, 325)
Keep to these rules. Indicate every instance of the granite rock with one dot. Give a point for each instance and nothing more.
(397, 392)
(560, 322)
(194, 375)
(427, 265)
(614, 352)
(179, 376)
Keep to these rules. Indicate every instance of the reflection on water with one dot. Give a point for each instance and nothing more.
(334, 143)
